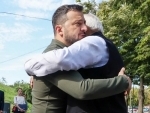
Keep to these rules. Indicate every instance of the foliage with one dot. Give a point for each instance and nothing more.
(89, 6)
(3, 80)
(9, 93)
(133, 97)
(147, 96)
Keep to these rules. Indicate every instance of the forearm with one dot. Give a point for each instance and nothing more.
(86, 89)
(18, 106)
(100, 88)
(73, 57)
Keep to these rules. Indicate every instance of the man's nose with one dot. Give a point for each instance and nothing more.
(84, 28)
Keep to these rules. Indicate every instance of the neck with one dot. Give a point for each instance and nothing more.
(62, 40)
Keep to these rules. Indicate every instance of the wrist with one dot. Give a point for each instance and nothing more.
(129, 82)
(126, 81)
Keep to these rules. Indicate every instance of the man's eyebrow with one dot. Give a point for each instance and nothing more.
(79, 20)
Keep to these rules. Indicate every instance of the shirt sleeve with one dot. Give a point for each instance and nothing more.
(75, 85)
(88, 52)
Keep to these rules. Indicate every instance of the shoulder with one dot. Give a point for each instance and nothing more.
(51, 47)
(94, 39)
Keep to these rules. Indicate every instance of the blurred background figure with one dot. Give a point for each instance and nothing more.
(1, 101)
(20, 102)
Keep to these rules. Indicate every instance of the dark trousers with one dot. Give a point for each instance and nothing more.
(18, 112)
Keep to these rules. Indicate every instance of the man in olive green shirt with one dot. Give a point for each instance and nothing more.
(49, 93)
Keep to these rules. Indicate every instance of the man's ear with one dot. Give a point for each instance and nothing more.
(59, 30)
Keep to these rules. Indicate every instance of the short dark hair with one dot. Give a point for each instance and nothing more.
(59, 16)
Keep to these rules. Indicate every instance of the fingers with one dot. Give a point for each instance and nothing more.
(31, 85)
(130, 84)
(128, 91)
(122, 71)
(125, 93)
(31, 81)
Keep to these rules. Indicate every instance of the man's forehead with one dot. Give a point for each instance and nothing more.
(76, 19)
(75, 15)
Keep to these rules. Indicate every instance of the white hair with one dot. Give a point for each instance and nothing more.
(93, 22)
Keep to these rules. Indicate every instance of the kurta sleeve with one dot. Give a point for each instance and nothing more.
(88, 52)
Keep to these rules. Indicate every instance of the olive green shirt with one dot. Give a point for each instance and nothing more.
(50, 92)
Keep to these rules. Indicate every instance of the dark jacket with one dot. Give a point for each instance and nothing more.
(112, 104)
(1, 100)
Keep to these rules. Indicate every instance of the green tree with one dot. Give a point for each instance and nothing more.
(89, 6)
(3, 80)
(147, 97)
(27, 92)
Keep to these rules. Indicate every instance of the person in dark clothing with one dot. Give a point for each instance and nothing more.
(1, 101)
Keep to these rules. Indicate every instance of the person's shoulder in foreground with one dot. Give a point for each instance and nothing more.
(1, 101)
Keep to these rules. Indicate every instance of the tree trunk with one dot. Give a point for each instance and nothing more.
(141, 95)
